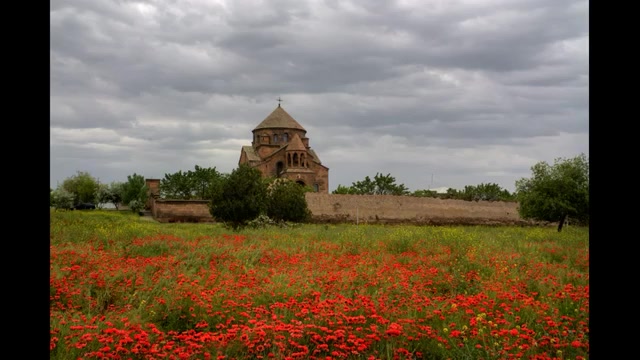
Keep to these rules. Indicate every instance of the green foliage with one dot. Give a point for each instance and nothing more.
(136, 205)
(109, 194)
(556, 191)
(135, 192)
(242, 197)
(198, 184)
(344, 190)
(380, 185)
(424, 193)
(286, 201)
(83, 186)
(61, 199)
(116, 191)
(101, 195)
(265, 222)
(176, 186)
(487, 192)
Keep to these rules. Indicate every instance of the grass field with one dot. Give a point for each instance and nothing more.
(125, 288)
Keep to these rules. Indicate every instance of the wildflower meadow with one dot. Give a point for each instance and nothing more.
(124, 287)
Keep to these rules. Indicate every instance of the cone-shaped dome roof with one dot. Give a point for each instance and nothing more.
(279, 119)
(296, 144)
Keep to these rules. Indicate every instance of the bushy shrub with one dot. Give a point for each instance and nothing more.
(241, 197)
(136, 205)
(286, 201)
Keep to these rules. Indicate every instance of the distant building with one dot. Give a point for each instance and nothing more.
(440, 190)
(280, 148)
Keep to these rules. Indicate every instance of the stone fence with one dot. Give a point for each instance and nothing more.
(366, 209)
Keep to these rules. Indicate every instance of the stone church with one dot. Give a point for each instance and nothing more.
(280, 148)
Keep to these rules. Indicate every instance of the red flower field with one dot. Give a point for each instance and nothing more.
(345, 292)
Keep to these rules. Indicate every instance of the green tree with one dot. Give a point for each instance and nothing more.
(102, 195)
(116, 191)
(556, 191)
(176, 186)
(200, 183)
(286, 201)
(380, 185)
(487, 192)
(205, 182)
(135, 192)
(110, 194)
(452, 194)
(344, 190)
(241, 197)
(62, 199)
(83, 186)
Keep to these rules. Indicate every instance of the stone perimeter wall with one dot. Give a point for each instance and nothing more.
(368, 209)
(180, 210)
(389, 209)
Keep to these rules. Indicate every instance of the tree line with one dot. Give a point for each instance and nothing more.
(554, 192)
(386, 185)
(84, 188)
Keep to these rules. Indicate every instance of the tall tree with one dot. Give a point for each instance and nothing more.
(556, 191)
(82, 186)
(176, 186)
(205, 181)
(135, 192)
(197, 184)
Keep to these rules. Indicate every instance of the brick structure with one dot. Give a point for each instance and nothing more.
(153, 191)
(280, 148)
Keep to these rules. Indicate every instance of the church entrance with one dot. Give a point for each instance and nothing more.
(279, 168)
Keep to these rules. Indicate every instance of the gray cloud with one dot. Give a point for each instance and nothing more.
(473, 91)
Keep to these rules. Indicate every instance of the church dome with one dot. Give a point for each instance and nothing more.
(279, 119)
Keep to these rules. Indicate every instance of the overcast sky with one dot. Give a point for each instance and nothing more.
(438, 93)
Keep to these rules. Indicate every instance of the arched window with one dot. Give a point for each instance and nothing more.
(285, 137)
(275, 138)
(295, 160)
(279, 168)
(316, 188)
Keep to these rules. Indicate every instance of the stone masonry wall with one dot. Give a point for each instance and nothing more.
(369, 209)
(181, 211)
(388, 209)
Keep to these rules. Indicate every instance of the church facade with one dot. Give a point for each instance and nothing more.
(280, 149)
